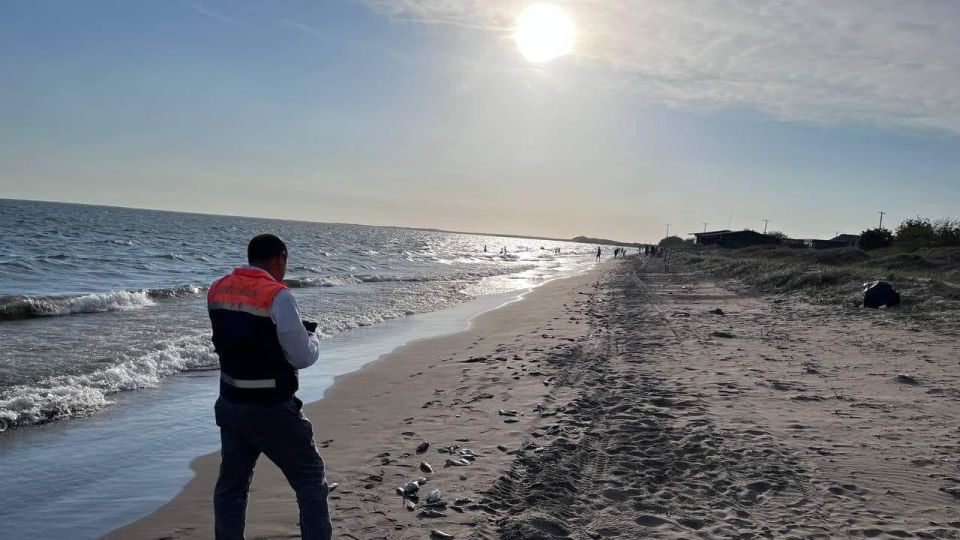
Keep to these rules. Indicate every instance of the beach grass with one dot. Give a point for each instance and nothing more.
(928, 279)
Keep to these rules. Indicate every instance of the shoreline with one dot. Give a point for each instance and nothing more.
(135, 455)
(340, 415)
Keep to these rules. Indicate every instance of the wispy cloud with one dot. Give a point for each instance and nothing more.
(207, 12)
(340, 42)
(886, 62)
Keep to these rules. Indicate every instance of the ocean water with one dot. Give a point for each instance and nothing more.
(99, 301)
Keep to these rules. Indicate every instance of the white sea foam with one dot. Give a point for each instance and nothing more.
(21, 306)
(89, 303)
(328, 281)
(77, 395)
(18, 307)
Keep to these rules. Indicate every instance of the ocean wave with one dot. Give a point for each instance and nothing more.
(68, 396)
(24, 307)
(17, 307)
(463, 275)
(329, 281)
(353, 279)
(172, 257)
(183, 291)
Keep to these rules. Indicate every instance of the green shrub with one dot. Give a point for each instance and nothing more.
(915, 233)
(672, 241)
(947, 232)
(875, 239)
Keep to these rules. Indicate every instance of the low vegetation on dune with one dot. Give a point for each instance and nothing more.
(928, 278)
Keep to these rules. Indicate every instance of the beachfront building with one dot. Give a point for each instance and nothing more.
(846, 239)
(813, 243)
(734, 239)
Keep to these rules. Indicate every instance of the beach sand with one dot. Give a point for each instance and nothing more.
(641, 412)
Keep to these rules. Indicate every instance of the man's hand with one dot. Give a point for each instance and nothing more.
(310, 326)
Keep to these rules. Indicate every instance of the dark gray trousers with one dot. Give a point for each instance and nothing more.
(282, 434)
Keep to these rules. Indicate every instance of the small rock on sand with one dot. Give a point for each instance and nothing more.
(408, 489)
(422, 447)
(435, 497)
(903, 378)
(953, 491)
(430, 513)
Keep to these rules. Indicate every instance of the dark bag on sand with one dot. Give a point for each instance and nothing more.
(879, 293)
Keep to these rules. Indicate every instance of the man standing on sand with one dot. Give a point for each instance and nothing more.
(262, 342)
(598, 253)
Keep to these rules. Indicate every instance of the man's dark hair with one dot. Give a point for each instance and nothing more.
(264, 247)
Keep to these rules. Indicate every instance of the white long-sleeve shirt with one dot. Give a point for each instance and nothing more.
(301, 348)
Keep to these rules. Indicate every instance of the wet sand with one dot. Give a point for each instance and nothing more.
(641, 412)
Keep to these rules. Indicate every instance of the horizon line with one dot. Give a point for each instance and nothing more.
(425, 229)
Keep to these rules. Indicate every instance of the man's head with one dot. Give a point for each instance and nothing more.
(268, 251)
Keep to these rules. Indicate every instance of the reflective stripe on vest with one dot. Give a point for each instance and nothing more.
(248, 384)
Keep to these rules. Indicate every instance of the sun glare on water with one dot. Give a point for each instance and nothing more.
(544, 32)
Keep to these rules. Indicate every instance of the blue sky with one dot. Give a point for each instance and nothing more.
(423, 113)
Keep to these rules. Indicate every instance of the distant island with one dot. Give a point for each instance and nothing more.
(589, 240)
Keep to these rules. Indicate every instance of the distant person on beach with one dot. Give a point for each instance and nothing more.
(262, 342)
(598, 253)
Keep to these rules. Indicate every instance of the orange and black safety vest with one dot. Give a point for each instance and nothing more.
(253, 368)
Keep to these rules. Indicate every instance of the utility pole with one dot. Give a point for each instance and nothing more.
(668, 231)
(765, 221)
(704, 226)
(881, 219)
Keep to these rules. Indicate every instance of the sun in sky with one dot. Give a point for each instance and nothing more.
(544, 32)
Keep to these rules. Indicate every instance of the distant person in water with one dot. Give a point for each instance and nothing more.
(484, 248)
(262, 342)
(598, 253)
